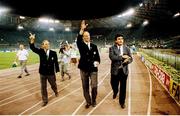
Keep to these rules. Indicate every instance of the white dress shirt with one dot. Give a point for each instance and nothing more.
(22, 54)
(121, 49)
(88, 44)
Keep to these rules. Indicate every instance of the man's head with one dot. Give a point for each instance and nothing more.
(45, 44)
(86, 36)
(21, 46)
(66, 47)
(119, 40)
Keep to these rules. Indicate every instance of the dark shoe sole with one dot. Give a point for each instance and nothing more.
(56, 94)
(114, 96)
(19, 77)
(123, 106)
(27, 74)
(44, 104)
(87, 106)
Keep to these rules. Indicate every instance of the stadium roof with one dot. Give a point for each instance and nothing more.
(102, 14)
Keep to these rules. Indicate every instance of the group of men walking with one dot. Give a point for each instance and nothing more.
(89, 61)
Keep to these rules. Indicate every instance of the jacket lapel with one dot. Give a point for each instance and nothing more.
(116, 49)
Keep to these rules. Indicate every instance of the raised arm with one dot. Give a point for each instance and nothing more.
(31, 43)
(83, 26)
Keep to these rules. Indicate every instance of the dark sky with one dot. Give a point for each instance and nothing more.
(69, 9)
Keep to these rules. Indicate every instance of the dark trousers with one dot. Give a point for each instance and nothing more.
(92, 77)
(115, 81)
(52, 81)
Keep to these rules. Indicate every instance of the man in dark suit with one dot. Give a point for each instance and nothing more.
(120, 56)
(48, 67)
(88, 65)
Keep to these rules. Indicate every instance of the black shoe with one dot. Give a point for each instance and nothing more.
(87, 106)
(19, 77)
(27, 74)
(114, 96)
(57, 94)
(122, 106)
(69, 77)
(94, 104)
(44, 104)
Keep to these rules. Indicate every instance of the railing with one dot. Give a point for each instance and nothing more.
(168, 58)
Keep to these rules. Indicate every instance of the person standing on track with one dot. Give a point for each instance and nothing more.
(64, 61)
(48, 67)
(88, 65)
(22, 56)
(120, 57)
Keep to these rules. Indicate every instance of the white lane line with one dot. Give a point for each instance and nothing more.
(20, 86)
(16, 82)
(19, 93)
(100, 103)
(129, 98)
(49, 96)
(55, 101)
(10, 86)
(8, 79)
(62, 99)
(77, 109)
(23, 97)
(150, 93)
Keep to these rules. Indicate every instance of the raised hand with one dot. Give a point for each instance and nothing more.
(83, 25)
(31, 37)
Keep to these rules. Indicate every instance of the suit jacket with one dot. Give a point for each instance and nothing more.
(116, 59)
(47, 66)
(87, 56)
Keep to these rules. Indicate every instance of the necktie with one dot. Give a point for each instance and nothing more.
(119, 48)
(47, 55)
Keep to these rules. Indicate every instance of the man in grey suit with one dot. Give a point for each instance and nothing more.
(120, 56)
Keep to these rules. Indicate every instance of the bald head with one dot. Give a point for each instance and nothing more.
(86, 36)
(45, 44)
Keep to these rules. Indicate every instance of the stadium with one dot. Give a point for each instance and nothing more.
(150, 29)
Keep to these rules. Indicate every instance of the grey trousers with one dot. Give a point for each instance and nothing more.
(23, 66)
(52, 81)
(89, 78)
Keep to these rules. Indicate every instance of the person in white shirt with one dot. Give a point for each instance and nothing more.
(74, 55)
(22, 57)
(64, 60)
